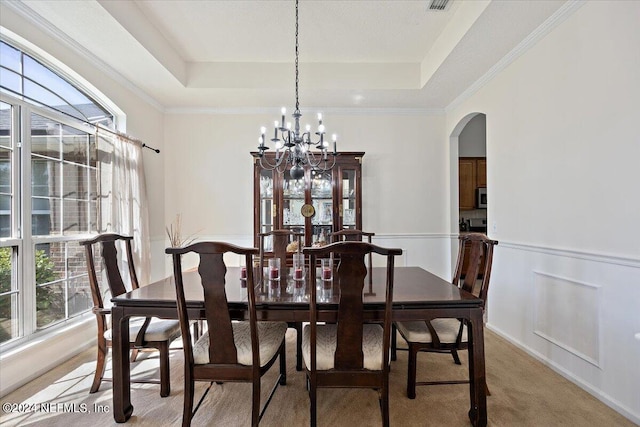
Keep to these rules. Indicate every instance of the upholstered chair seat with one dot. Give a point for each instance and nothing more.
(446, 329)
(327, 341)
(157, 330)
(269, 335)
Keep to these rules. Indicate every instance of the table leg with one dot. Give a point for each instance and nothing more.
(477, 375)
(122, 408)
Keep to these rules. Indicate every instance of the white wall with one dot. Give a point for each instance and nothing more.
(564, 149)
(473, 138)
(405, 177)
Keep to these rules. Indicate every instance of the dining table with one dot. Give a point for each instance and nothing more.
(418, 295)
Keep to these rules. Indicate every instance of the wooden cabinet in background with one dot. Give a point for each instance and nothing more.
(472, 173)
(467, 183)
(481, 172)
(336, 197)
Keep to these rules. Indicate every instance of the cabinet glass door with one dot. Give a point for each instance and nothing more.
(322, 200)
(348, 198)
(266, 201)
(293, 198)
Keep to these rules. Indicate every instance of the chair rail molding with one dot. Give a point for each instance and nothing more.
(574, 253)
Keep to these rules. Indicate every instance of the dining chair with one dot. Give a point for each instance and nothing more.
(145, 333)
(284, 243)
(351, 234)
(229, 351)
(349, 352)
(450, 335)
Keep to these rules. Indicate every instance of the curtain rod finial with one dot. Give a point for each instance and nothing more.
(151, 148)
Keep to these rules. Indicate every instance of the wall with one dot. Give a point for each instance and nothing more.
(473, 138)
(563, 143)
(404, 176)
(144, 121)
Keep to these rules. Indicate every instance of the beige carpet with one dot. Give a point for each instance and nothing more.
(524, 393)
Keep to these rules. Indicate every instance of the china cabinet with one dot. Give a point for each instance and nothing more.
(317, 205)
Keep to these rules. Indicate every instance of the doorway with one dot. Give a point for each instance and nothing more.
(468, 156)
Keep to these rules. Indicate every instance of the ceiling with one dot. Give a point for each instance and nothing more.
(240, 54)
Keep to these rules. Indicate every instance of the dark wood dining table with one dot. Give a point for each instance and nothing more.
(418, 295)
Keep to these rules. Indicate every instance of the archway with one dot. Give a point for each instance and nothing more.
(477, 120)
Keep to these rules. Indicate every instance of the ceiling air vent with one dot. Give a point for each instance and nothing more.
(438, 4)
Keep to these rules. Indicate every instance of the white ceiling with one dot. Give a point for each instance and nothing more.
(240, 54)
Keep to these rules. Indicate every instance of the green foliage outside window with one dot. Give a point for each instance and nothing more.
(49, 301)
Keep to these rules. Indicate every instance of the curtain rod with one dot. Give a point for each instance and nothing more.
(86, 121)
(127, 137)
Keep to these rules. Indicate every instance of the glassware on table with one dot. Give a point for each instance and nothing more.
(273, 277)
(274, 269)
(243, 272)
(326, 276)
(299, 274)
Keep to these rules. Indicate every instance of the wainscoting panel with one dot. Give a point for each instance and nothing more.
(567, 313)
(575, 311)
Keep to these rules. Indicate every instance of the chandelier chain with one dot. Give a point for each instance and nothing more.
(293, 145)
(297, 102)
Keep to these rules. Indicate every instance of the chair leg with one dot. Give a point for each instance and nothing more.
(384, 404)
(187, 408)
(313, 421)
(134, 355)
(255, 404)
(394, 343)
(456, 359)
(165, 381)
(196, 331)
(299, 346)
(100, 365)
(283, 363)
(411, 372)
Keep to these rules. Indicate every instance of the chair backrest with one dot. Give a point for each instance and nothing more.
(351, 235)
(348, 291)
(212, 271)
(480, 255)
(280, 241)
(109, 255)
(355, 235)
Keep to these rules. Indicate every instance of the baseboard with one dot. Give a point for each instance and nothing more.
(29, 361)
(598, 394)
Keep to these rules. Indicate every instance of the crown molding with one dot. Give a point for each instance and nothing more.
(30, 15)
(545, 28)
(325, 110)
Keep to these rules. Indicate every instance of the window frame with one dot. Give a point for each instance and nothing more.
(22, 240)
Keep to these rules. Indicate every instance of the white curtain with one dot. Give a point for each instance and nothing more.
(123, 201)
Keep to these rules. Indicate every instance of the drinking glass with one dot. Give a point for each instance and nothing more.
(243, 272)
(326, 269)
(299, 274)
(326, 274)
(298, 266)
(274, 269)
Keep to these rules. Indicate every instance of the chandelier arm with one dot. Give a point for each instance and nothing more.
(311, 159)
(325, 167)
(265, 164)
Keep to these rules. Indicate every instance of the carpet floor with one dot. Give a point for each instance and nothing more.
(524, 392)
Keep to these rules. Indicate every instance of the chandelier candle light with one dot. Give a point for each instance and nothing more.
(294, 147)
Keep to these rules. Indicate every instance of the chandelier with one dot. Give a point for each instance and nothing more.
(294, 147)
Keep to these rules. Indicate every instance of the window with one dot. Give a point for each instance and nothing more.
(25, 77)
(49, 195)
